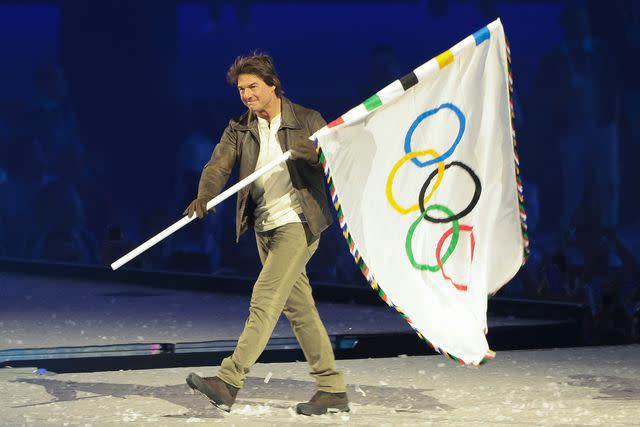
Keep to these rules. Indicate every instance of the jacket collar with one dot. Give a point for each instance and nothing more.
(249, 121)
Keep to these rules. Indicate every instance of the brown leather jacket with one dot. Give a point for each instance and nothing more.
(240, 143)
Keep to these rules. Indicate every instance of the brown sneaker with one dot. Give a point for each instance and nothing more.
(323, 402)
(219, 393)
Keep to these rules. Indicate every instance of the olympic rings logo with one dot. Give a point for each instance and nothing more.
(453, 233)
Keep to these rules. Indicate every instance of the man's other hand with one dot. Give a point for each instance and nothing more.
(199, 206)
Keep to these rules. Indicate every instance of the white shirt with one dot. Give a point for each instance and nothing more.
(276, 201)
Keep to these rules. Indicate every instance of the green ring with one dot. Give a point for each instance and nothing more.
(450, 248)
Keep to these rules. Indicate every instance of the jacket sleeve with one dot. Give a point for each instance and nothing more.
(217, 170)
(316, 122)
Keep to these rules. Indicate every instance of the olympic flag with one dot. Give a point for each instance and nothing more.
(424, 176)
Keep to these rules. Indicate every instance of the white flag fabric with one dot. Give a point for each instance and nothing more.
(424, 176)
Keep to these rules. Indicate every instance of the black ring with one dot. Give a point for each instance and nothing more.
(463, 213)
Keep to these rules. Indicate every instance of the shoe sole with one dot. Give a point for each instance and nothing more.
(218, 405)
(309, 411)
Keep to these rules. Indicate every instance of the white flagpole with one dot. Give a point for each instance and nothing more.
(213, 202)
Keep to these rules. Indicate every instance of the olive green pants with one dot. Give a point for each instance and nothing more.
(283, 286)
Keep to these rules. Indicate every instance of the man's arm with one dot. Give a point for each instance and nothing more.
(217, 170)
(317, 122)
(305, 149)
(215, 173)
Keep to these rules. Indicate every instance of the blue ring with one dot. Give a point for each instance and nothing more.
(420, 118)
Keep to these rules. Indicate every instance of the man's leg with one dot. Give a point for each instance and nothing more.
(286, 256)
(301, 311)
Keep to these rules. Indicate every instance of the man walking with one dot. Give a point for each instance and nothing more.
(288, 209)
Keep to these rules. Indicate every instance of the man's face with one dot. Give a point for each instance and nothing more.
(255, 93)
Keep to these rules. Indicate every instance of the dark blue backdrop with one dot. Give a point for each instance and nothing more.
(108, 110)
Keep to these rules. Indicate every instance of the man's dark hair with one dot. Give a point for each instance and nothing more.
(256, 63)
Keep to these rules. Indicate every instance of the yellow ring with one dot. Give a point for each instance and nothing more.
(392, 175)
